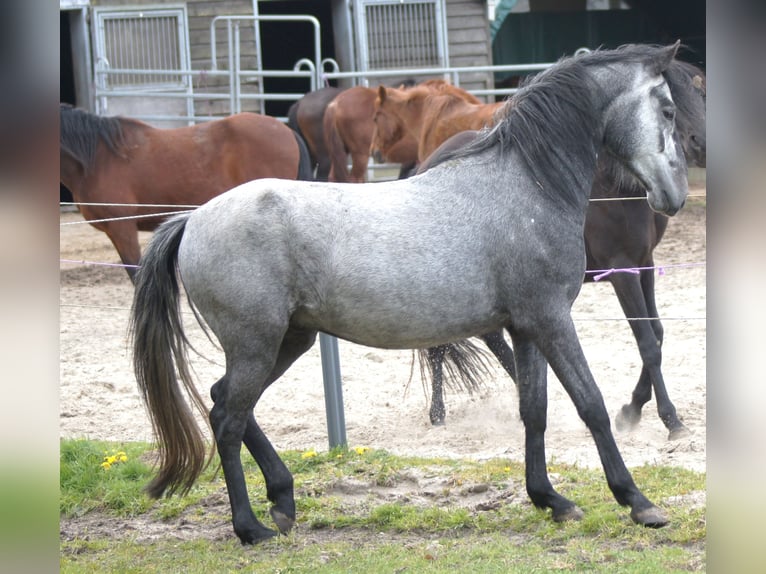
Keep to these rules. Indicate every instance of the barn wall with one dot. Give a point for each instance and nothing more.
(469, 40)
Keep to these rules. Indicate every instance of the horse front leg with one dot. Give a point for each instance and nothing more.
(531, 370)
(636, 297)
(124, 237)
(562, 349)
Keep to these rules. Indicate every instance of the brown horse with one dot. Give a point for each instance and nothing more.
(430, 116)
(349, 127)
(117, 160)
(305, 116)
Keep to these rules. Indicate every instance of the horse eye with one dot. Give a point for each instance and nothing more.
(669, 113)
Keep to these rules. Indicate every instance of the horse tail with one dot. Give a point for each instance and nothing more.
(305, 163)
(336, 148)
(465, 365)
(159, 349)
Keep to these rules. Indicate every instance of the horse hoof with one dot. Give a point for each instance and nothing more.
(437, 423)
(284, 523)
(679, 433)
(570, 513)
(257, 535)
(651, 517)
(626, 419)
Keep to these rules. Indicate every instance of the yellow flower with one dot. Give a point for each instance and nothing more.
(309, 454)
(361, 449)
(112, 459)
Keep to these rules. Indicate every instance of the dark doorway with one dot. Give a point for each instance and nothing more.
(284, 43)
(67, 92)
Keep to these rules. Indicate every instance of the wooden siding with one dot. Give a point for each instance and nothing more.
(469, 41)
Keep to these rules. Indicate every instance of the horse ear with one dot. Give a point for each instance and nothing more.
(665, 57)
(382, 93)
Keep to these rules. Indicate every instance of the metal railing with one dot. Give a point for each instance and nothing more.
(238, 88)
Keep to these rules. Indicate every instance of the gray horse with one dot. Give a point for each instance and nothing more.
(490, 238)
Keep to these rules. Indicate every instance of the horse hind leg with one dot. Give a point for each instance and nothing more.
(637, 300)
(496, 343)
(435, 358)
(278, 479)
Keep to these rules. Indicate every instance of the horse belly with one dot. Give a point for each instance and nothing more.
(411, 304)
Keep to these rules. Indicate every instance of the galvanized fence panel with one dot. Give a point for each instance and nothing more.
(399, 34)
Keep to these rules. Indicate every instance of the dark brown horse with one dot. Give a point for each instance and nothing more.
(306, 116)
(117, 160)
(618, 235)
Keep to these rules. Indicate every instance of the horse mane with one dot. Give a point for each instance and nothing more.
(684, 79)
(81, 132)
(558, 104)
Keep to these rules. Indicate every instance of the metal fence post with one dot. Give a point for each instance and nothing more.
(333, 390)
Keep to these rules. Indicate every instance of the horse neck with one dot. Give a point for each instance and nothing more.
(410, 117)
(71, 173)
(612, 180)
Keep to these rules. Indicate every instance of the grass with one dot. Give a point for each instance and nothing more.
(369, 511)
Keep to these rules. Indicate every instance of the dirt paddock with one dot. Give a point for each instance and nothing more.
(385, 403)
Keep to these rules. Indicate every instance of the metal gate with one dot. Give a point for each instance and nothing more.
(400, 34)
(139, 53)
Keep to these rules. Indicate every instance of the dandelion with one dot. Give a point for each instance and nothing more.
(361, 449)
(311, 453)
(111, 459)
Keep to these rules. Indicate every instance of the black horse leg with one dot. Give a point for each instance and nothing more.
(562, 349)
(636, 296)
(533, 405)
(279, 480)
(228, 419)
(496, 343)
(437, 412)
(233, 422)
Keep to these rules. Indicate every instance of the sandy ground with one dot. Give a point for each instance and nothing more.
(385, 401)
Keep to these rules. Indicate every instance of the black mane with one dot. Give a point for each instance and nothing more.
(682, 79)
(557, 105)
(81, 132)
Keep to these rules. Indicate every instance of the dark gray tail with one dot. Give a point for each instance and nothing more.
(465, 365)
(306, 165)
(159, 351)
